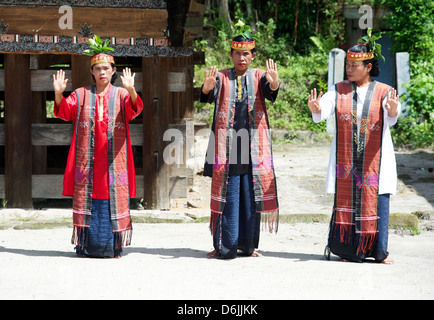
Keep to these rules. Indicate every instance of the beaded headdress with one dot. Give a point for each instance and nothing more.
(374, 48)
(246, 45)
(101, 58)
(359, 56)
(246, 32)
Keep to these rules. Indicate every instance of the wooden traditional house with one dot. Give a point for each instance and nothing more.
(38, 37)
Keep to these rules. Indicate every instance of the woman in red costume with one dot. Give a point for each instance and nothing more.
(100, 169)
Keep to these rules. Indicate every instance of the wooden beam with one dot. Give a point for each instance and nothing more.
(54, 134)
(149, 149)
(50, 186)
(42, 80)
(39, 115)
(164, 117)
(60, 134)
(188, 110)
(156, 115)
(198, 57)
(177, 10)
(18, 144)
(194, 23)
(105, 22)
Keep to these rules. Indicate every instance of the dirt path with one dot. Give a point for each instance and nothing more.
(168, 260)
(301, 174)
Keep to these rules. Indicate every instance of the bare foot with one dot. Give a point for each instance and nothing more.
(212, 254)
(344, 260)
(256, 254)
(387, 261)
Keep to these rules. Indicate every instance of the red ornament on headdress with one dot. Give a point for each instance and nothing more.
(359, 56)
(101, 58)
(244, 45)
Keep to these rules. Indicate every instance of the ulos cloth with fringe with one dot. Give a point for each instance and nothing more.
(358, 157)
(80, 170)
(264, 181)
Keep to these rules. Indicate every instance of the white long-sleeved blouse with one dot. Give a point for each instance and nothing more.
(388, 176)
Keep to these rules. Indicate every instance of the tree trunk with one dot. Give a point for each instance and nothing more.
(224, 12)
(296, 24)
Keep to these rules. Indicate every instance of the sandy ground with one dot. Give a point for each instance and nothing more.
(301, 173)
(168, 261)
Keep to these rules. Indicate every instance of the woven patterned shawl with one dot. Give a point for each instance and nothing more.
(264, 182)
(117, 170)
(358, 163)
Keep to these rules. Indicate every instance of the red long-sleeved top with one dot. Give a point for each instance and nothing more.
(68, 111)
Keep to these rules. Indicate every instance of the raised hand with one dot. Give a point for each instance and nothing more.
(127, 79)
(210, 80)
(59, 82)
(313, 102)
(392, 103)
(271, 74)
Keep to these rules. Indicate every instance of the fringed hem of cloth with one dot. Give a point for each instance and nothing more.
(123, 238)
(80, 236)
(213, 221)
(269, 220)
(365, 239)
(344, 232)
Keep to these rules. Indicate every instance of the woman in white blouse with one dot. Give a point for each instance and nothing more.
(362, 167)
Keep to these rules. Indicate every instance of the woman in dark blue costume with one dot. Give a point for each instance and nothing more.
(237, 226)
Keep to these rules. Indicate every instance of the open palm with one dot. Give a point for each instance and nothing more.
(59, 81)
(313, 101)
(271, 74)
(392, 103)
(128, 79)
(210, 79)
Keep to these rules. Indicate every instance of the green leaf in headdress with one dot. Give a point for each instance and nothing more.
(245, 30)
(97, 46)
(369, 40)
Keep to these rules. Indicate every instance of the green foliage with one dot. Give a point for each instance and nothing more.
(420, 90)
(298, 74)
(97, 46)
(413, 133)
(413, 30)
(412, 24)
(369, 40)
(301, 74)
(245, 30)
(298, 35)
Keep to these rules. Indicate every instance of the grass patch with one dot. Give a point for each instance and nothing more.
(396, 221)
(404, 221)
(44, 224)
(304, 218)
(145, 219)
